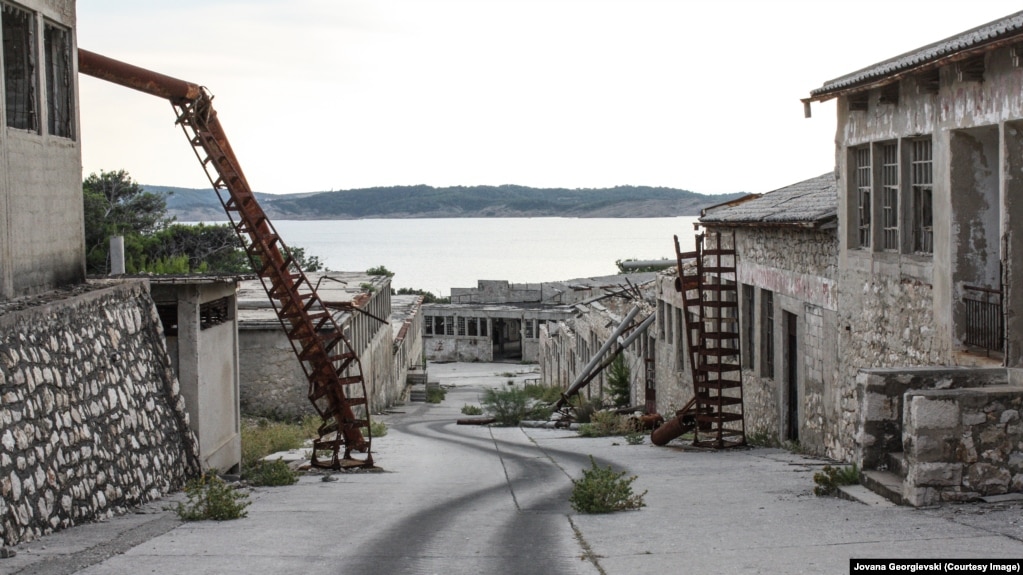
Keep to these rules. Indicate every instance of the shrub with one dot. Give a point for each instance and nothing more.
(606, 423)
(603, 490)
(830, 478)
(435, 394)
(619, 381)
(271, 474)
(543, 393)
(507, 406)
(210, 498)
(585, 408)
(472, 409)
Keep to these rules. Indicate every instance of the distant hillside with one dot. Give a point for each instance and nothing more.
(454, 202)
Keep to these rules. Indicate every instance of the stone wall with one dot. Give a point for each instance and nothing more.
(961, 444)
(93, 420)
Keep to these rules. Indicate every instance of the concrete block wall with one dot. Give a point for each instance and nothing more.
(93, 421)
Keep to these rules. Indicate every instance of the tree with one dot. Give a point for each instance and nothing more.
(117, 205)
(619, 381)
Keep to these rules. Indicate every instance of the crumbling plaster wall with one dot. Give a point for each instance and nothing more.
(93, 421)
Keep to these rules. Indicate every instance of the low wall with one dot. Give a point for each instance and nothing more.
(961, 444)
(880, 403)
(92, 418)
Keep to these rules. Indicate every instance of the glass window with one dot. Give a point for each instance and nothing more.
(19, 67)
(59, 81)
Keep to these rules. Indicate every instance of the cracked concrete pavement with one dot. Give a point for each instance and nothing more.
(467, 499)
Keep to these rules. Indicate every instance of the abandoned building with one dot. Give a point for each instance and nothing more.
(874, 303)
(385, 330)
(499, 321)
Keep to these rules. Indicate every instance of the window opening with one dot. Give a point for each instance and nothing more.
(748, 319)
(214, 313)
(863, 188)
(19, 67)
(168, 318)
(890, 195)
(473, 327)
(461, 326)
(767, 301)
(428, 324)
(922, 185)
(59, 81)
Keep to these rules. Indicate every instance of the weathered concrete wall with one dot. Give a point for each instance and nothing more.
(469, 349)
(42, 238)
(961, 444)
(93, 421)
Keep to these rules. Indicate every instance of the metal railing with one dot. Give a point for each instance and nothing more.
(985, 327)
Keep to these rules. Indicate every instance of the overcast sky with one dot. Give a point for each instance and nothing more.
(335, 94)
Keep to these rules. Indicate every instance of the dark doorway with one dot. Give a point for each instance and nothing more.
(791, 378)
(507, 339)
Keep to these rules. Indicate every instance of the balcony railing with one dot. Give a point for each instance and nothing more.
(985, 327)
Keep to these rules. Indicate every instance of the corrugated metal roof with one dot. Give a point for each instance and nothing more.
(1000, 29)
(812, 202)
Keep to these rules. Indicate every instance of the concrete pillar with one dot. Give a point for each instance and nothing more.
(117, 255)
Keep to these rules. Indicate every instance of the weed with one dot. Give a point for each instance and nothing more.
(543, 393)
(606, 423)
(379, 429)
(508, 406)
(506, 374)
(762, 439)
(271, 474)
(210, 498)
(472, 409)
(604, 490)
(261, 437)
(435, 394)
(585, 409)
(830, 478)
(635, 437)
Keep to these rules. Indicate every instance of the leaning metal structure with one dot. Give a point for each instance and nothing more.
(336, 386)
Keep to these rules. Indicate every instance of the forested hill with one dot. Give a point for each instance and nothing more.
(454, 202)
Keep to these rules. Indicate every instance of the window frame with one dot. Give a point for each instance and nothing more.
(21, 81)
(863, 189)
(921, 184)
(60, 80)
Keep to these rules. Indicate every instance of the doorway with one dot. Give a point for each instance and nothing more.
(791, 377)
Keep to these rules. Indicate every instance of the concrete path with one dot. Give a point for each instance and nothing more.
(465, 499)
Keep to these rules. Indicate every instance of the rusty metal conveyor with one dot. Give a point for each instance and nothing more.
(336, 386)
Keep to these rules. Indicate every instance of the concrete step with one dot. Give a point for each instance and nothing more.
(863, 495)
(897, 463)
(884, 483)
(417, 392)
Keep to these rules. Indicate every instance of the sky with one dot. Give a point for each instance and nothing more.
(319, 95)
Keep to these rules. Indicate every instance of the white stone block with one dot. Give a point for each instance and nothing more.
(932, 413)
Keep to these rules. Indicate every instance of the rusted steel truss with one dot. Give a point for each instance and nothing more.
(337, 389)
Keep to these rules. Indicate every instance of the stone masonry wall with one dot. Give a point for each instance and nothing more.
(811, 252)
(962, 444)
(91, 415)
(884, 321)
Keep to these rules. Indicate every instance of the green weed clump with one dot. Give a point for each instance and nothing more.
(379, 429)
(542, 393)
(209, 498)
(830, 478)
(607, 423)
(604, 490)
(507, 406)
(261, 437)
(472, 409)
(275, 473)
(435, 394)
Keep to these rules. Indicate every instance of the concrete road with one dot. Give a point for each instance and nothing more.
(464, 499)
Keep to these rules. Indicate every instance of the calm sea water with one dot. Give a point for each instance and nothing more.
(438, 254)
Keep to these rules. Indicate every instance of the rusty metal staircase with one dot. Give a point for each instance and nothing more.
(332, 367)
(710, 294)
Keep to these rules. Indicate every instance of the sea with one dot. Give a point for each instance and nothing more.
(438, 254)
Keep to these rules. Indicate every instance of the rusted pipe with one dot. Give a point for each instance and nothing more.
(669, 430)
(136, 78)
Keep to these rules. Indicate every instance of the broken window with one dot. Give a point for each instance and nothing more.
(473, 327)
(528, 328)
(921, 181)
(484, 322)
(59, 80)
(449, 326)
(890, 195)
(461, 326)
(863, 189)
(427, 325)
(214, 313)
(438, 325)
(18, 28)
(168, 318)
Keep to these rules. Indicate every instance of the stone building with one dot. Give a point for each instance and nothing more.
(929, 156)
(42, 241)
(388, 341)
(499, 321)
